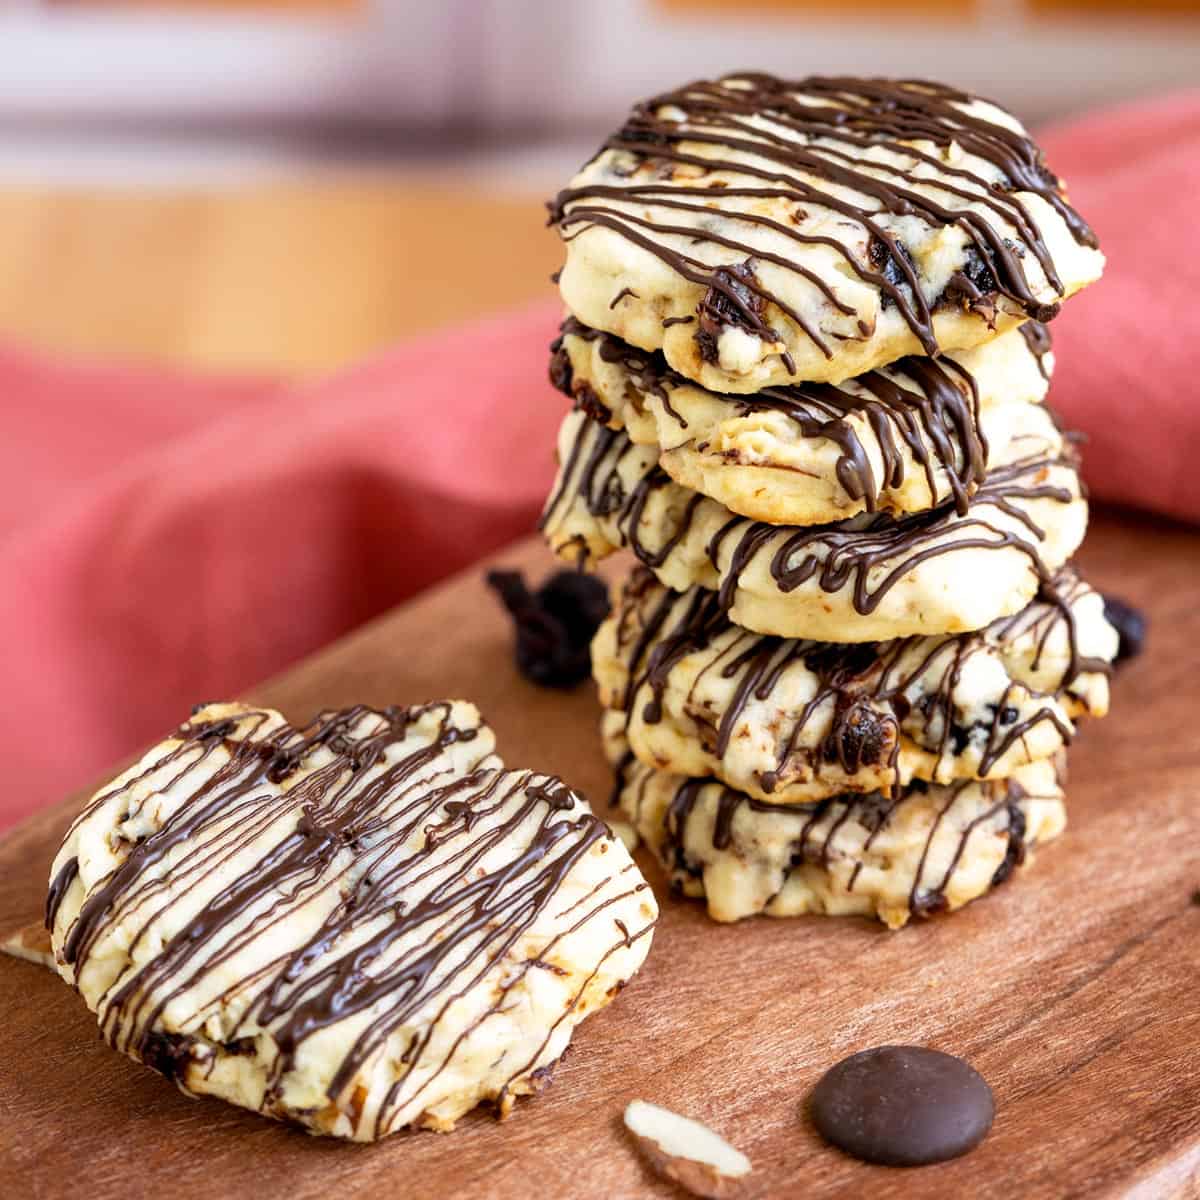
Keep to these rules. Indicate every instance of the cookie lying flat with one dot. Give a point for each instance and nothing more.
(360, 926)
(796, 721)
(870, 578)
(902, 439)
(764, 231)
(930, 850)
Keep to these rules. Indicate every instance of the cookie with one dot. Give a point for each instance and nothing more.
(792, 721)
(908, 437)
(930, 849)
(358, 926)
(870, 578)
(762, 231)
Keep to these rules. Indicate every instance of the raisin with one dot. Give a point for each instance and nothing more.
(1014, 854)
(170, 1054)
(731, 301)
(972, 285)
(1130, 624)
(554, 625)
(883, 260)
(859, 737)
(587, 400)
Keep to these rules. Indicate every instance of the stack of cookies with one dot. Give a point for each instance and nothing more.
(807, 349)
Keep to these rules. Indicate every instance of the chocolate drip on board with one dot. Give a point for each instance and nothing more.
(803, 142)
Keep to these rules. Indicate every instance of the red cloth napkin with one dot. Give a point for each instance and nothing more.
(1128, 348)
(167, 539)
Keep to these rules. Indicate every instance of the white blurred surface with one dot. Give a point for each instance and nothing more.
(157, 95)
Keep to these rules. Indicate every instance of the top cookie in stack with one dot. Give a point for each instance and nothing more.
(807, 351)
(763, 232)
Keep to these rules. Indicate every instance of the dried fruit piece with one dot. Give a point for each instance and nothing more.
(685, 1151)
(555, 624)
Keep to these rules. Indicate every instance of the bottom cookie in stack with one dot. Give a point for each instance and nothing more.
(930, 848)
(891, 779)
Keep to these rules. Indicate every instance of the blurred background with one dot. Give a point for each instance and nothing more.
(284, 185)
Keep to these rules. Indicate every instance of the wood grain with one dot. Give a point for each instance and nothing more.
(1073, 989)
(295, 277)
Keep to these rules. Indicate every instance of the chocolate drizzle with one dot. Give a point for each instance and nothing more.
(804, 143)
(863, 696)
(866, 556)
(1037, 338)
(929, 407)
(840, 557)
(63, 878)
(370, 823)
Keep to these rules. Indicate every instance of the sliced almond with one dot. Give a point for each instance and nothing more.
(685, 1151)
(31, 943)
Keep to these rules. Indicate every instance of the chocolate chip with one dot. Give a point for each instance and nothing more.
(555, 625)
(903, 1106)
(1130, 624)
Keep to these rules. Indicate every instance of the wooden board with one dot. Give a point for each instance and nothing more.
(1074, 989)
